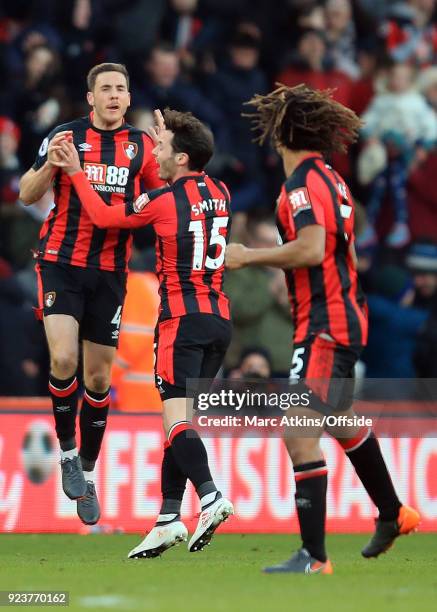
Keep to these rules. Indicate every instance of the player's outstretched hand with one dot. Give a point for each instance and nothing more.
(235, 256)
(159, 126)
(67, 157)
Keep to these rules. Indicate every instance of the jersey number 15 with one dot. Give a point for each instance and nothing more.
(200, 262)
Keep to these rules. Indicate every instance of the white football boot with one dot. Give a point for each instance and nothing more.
(209, 519)
(160, 539)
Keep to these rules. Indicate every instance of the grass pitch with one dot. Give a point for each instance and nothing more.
(225, 577)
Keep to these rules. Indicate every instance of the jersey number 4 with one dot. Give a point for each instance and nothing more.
(200, 262)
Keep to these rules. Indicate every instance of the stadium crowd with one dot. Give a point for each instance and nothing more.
(209, 57)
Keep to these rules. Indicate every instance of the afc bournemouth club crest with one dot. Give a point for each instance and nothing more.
(130, 149)
(49, 298)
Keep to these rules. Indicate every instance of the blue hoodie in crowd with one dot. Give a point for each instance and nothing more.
(393, 328)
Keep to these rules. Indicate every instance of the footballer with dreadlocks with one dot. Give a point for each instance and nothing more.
(315, 218)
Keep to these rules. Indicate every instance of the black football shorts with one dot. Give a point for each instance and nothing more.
(93, 297)
(191, 346)
(328, 370)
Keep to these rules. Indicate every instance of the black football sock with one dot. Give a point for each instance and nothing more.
(191, 456)
(64, 401)
(173, 483)
(93, 418)
(311, 484)
(365, 455)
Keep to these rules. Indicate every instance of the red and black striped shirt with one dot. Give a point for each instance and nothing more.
(328, 297)
(119, 165)
(192, 220)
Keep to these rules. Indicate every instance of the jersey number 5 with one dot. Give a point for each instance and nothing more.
(212, 263)
(297, 363)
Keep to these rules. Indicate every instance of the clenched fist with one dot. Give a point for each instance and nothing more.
(236, 256)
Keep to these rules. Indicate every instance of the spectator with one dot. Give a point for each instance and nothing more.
(255, 362)
(10, 173)
(363, 89)
(304, 15)
(422, 262)
(180, 27)
(394, 325)
(164, 86)
(259, 302)
(134, 28)
(400, 120)
(421, 199)
(409, 34)
(26, 37)
(311, 64)
(341, 37)
(19, 226)
(78, 23)
(40, 102)
(10, 170)
(230, 87)
(23, 353)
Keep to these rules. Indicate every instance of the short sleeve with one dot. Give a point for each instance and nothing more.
(41, 156)
(306, 207)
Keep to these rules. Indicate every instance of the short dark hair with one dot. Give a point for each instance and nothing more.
(190, 136)
(256, 350)
(163, 46)
(244, 40)
(106, 67)
(257, 216)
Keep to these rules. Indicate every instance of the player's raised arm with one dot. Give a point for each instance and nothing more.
(36, 181)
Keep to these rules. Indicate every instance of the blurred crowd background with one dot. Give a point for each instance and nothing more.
(209, 57)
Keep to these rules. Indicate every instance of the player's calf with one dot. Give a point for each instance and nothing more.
(191, 457)
(64, 400)
(169, 529)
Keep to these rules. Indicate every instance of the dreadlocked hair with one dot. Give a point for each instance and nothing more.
(303, 119)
